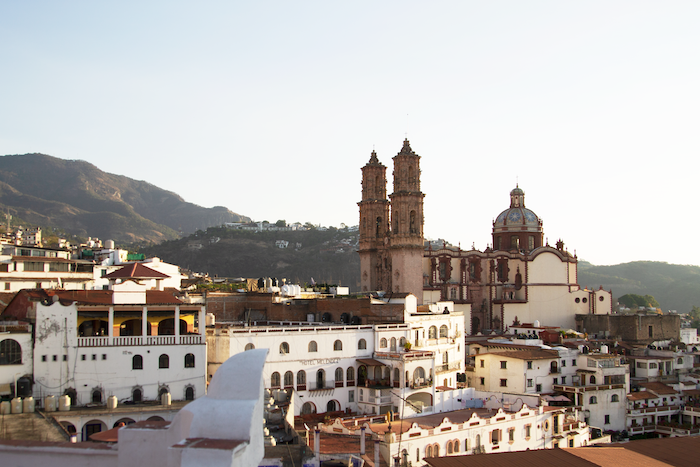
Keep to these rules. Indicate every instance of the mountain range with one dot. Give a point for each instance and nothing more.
(79, 198)
(84, 201)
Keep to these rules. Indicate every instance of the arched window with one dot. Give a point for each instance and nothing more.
(615, 398)
(288, 379)
(164, 361)
(10, 352)
(443, 330)
(137, 362)
(163, 390)
(350, 374)
(248, 347)
(136, 395)
(449, 447)
(313, 346)
(592, 379)
(284, 348)
(455, 446)
(679, 361)
(402, 342)
(361, 344)
(339, 377)
(301, 380)
(397, 377)
(320, 379)
(189, 360)
(392, 345)
(332, 406)
(189, 393)
(432, 332)
(593, 400)
(275, 380)
(337, 345)
(382, 343)
(96, 396)
(436, 450)
(429, 450)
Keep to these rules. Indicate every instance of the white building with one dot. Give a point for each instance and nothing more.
(28, 267)
(361, 368)
(124, 342)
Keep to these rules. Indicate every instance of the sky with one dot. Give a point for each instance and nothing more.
(271, 108)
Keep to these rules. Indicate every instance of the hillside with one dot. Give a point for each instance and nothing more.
(326, 255)
(235, 253)
(675, 287)
(83, 200)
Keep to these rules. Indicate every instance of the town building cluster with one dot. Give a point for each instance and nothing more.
(443, 352)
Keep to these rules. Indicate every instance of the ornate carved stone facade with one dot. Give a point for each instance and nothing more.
(391, 230)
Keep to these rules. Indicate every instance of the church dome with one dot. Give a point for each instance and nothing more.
(517, 214)
(517, 227)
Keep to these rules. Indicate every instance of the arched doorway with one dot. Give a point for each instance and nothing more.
(332, 406)
(91, 427)
(93, 327)
(320, 379)
(123, 422)
(167, 327)
(362, 375)
(308, 408)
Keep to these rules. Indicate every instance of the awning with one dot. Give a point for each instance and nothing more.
(556, 398)
(370, 361)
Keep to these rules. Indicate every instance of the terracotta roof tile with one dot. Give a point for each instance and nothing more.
(136, 271)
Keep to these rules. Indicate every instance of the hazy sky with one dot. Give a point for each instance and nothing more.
(270, 108)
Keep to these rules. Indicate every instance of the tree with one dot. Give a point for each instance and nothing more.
(695, 317)
(281, 223)
(638, 301)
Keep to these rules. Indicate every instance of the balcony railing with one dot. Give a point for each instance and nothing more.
(454, 366)
(105, 341)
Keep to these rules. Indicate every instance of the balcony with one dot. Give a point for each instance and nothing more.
(405, 356)
(454, 366)
(105, 341)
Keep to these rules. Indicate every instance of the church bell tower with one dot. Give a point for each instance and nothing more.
(406, 246)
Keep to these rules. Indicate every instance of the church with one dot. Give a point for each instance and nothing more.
(518, 279)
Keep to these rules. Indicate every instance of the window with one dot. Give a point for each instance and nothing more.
(527, 431)
(495, 436)
(288, 379)
(563, 380)
(555, 381)
(189, 360)
(382, 343)
(7, 286)
(10, 352)
(529, 365)
(592, 379)
(97, 396)
(443, 331)
(481, 362)
(164, 361)
(65, 358)
(483, 381)
(94, 356)
(275, 380)
(573, 362)
(43, 358)
(337, 345)
(104, 356)
(538, 388)
(504, 382)
(615, 398)
(284, 348)
(563, 363)
(83, 357)
(301, 380)
(466, 444)
(33, 266)
(351, 396)
(249, 347)
(511, 434)
(529, 383)
(432, 332)
(313, 346)
(504, 365)
(607, 419)
(339, 377)
(136, 395)
(350, 374)
(593, 400)
(189, 393)
(361, 344)
(137, 362)
(679, 361)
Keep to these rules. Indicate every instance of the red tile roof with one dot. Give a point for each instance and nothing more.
(136, 271)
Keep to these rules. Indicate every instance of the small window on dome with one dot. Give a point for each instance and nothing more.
(577, 300)
(584, 300)
(601, 298)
